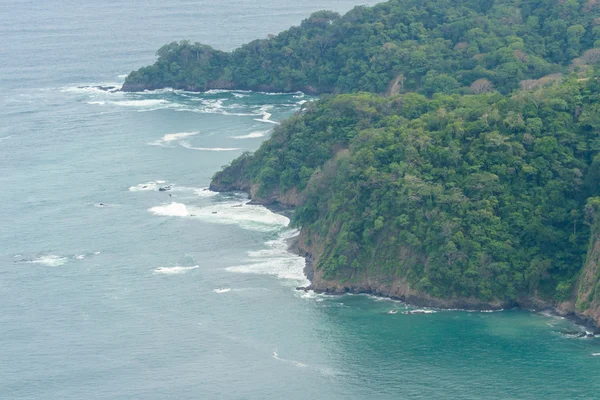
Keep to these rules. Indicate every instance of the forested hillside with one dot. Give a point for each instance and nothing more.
(478, 196)
(427, 46)
(474, 181)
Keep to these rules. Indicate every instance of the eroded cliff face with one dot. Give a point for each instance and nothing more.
(587, 300)
(312, 246)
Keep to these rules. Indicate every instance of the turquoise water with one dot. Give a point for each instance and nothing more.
(190, 296)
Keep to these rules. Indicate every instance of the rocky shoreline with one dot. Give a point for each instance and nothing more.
(133, 87)
(533, 305)
(381, 287)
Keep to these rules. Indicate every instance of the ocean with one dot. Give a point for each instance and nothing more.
(112, 288)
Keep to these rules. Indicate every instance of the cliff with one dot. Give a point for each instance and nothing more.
(587, 298)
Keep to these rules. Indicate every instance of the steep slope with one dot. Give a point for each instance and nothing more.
(426, 46)
(458, 201)
(588, 287)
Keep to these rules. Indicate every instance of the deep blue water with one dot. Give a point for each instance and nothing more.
(151, 296)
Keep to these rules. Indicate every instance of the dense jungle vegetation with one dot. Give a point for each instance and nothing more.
(480, 195)
(476, 173)
(427, 46)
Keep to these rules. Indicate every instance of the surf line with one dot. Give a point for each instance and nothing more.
(266, 118)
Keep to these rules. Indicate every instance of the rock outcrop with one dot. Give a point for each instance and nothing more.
(587, 297)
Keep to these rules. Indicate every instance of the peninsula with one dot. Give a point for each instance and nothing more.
(453, 159)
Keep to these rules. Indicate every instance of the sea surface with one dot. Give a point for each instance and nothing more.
(113, 289)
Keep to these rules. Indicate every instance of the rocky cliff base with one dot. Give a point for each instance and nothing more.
(311, 247)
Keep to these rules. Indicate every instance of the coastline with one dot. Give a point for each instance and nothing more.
(532, 305)
(395, 290)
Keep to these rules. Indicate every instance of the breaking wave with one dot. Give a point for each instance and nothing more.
(275, 260)
(147, 186)
(251, 135)
(140, 103)
(169, 138)
(176, 270)
(189, 146)
(205, 192)
(178, 136)
(49, 260)
(171, 210)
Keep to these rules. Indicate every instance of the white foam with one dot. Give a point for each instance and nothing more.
(550, 314)
(173, 137)
(96, 253)
(247, 216)
(268, 253)
(420, 312)
(163, 90)
(5, 138)
(277, 93)
(596, 354)
(189, 146)
(205, 192)
(277, 261)
(176, 270)
(277, 247)
(178, 136)
(216, 111)
(49, 260)
(378, 298)
(122, 76)
(288, 268)
(80, 257)
(217, 91)
(212, 105)
(170, 210)
(311, 295)
(224, 290)
(266, 120)
(140, 103)
(97, 102)
(251, 135)
(146, 186)
(92, 88)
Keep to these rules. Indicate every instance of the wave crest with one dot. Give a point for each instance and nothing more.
(171, 210)
(175, 270)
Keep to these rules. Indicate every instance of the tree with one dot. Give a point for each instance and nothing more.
(481, 86)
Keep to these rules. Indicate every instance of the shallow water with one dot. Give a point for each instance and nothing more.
(112, 289)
